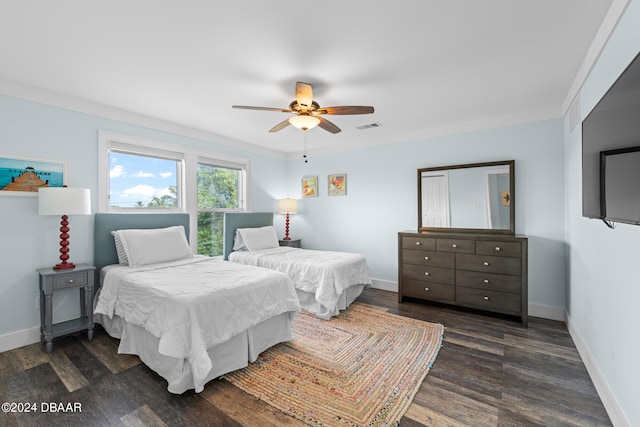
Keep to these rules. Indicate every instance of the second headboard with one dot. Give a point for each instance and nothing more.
(235, 220)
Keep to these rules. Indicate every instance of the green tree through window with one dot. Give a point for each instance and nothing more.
(218, 192)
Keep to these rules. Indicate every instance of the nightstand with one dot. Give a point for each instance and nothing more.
(81, 277)
(294, 243)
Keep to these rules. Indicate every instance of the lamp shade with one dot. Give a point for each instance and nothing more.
(304, 122)
(64, 201)
(287, 206)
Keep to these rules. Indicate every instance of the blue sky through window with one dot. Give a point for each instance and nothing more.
(134, 179)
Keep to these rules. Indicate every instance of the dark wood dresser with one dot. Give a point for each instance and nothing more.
(482, 271)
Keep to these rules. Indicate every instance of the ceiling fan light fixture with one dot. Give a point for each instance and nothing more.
(304, 122)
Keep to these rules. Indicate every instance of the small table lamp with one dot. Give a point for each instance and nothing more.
(64, 201)
(287, 206)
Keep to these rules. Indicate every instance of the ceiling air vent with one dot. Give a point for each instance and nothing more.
(369, 126)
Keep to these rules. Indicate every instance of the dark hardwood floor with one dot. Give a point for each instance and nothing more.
(490, 372)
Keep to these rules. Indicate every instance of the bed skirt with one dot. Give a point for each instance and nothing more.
(234, 354)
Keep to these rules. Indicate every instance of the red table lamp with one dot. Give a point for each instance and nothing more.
(287, 206)
(64, 201)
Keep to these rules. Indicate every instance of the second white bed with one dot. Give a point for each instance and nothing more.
(325, 281)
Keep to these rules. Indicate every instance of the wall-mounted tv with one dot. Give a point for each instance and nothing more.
(620, 185)
(612, 125)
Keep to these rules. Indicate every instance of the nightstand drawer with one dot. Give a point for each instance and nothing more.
(70, 280)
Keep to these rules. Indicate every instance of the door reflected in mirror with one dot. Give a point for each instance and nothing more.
(473, 197)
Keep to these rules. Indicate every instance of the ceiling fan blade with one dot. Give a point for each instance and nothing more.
(327, 125)
(280, 126)
(345, 110)
(246, 107)
(304, 95)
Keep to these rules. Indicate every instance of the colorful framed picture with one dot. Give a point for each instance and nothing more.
(310, 186)
(21, 176)
(337, 184)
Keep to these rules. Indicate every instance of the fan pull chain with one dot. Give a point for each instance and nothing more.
(304, 156)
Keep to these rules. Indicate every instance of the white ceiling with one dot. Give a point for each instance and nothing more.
(428, 67)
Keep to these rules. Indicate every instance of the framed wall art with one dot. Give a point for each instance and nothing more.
(337, 184)
(310, 186)
(21, 176)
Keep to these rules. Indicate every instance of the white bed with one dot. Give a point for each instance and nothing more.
(325, 281)
(194, 318)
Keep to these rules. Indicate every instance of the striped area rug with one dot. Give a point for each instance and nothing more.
(361, 368)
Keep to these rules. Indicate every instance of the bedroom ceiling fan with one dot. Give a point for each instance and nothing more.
(308, 113)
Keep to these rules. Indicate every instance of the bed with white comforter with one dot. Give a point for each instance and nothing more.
(194, 318)
(325, 281)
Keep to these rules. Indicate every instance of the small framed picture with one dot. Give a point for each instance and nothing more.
(310, 186)
(22, 176)
(337, 184)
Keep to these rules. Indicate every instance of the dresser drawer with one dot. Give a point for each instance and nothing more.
(489, 281)
(422, 243)
(426, 290)
(436, 259)
(497, 248)
(456, 245)
(489, 300)
(489, 264)
(70, 280)
(428, 273)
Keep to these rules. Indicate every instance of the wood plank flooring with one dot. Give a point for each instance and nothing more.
(490, 372)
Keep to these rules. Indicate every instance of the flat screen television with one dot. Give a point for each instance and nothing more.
(620, 185)
(611, 134)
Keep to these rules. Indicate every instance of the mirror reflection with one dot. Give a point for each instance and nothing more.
(470, 197)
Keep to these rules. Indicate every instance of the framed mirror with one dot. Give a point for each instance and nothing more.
(477, 197)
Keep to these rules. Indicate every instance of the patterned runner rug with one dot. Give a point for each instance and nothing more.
(361, 368)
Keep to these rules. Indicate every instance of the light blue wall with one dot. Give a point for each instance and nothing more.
(30, 241)
(381, 198)
(603, 265)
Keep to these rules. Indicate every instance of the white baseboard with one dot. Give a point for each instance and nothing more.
(19, 339)
(614, 411)
(547, 312)
(385, 285)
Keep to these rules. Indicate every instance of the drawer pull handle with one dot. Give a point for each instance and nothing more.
(426, 289)
(486, 263)
(486, 298)
(426, 258)
(426, 273)
(418, 243)
(486, 280)
(454, 245)
(498, 248)
(70, 280)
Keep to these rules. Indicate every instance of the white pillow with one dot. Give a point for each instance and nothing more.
(256, 238)
(122, 255)
(152, 246)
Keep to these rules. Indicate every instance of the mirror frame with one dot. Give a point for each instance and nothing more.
(512, 207)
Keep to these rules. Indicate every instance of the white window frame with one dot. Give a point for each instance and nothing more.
(187, 180)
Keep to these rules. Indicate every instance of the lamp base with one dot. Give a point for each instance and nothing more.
(64, 246)
(64, 266)
(286, 228)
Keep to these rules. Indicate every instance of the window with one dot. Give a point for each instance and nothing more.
(143, 182)
(218, 192)
(141, 175)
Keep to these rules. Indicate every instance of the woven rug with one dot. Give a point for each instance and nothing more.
(361, 368)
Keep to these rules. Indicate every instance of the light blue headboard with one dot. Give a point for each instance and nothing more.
(235, 220)
(104, 249)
